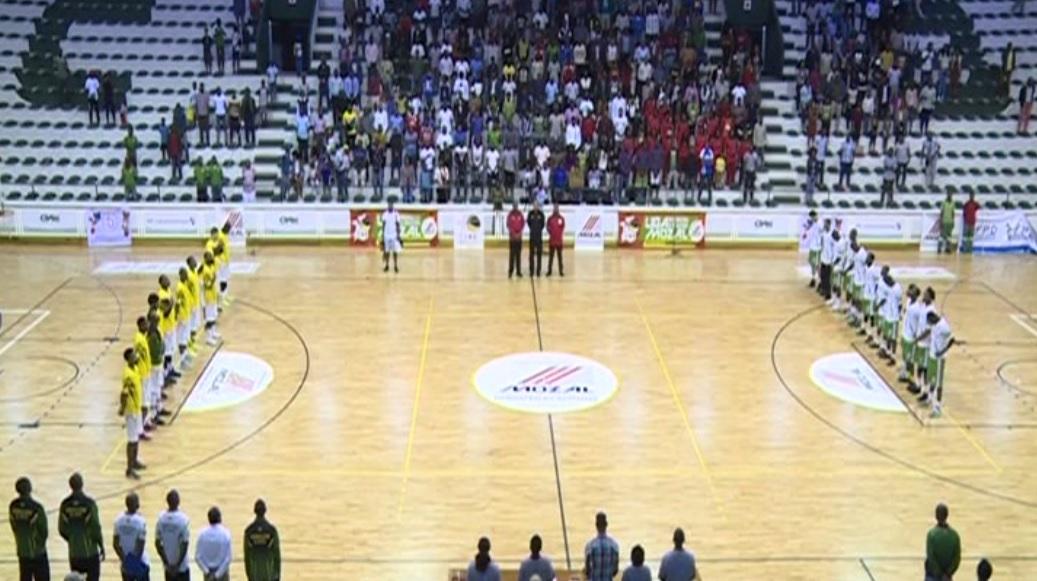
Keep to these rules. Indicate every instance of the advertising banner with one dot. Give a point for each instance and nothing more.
(50, 220)
(236, 218)
(109, 227)
(169, 221)
(931, 232)
(290, 221)
(363, 226)
(468, 231)
(766, 226)
(1003, 232)
(648, 229)
(417, 227)
(877, 227)
(590, 230)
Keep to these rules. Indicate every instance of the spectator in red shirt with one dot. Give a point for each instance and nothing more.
(968, 215)
(516, 223)
(555, 236)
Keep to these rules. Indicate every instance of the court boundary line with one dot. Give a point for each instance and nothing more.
(910, 410)
(416, 401)
(551, 430)
(41, 315)
(866, 569)
(37, 306)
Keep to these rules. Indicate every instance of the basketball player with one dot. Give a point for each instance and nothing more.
(158, 354)
(183, 317)
(823, 262)
(860, 267)
(908, 336)
(815, 242)
(194, 286)
(392, 238)
(224, 272)
(167, 325)
(130, 400)
(922, 342)
(210, 294)
(839, 268)
(890, 315)
(143, 350)
(872, 277)
(941, 339)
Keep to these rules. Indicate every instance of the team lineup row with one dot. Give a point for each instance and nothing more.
(851, 281)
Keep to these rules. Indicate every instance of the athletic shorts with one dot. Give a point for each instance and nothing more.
(134, 426)
(866, 306)
(392, 245)
(934, 371)
(210, 313)
(223, 274)
(921, 355)
(183, 332)
(156, 380)
(813, 257)
(196, 319)
(907, 350)
(169, 339)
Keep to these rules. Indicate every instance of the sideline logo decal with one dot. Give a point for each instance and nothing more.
(545, 382)
(231, 379)
(848, 376)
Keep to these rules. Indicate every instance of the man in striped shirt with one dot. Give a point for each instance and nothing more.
(601, 556)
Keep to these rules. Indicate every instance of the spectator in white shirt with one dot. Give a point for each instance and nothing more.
(212, 551)
(573, 136)
(130, 538)
(219, 105)
(92, 88)
(172, 536)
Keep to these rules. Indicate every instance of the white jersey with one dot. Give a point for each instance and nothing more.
(390, 225)
(827, 248)
(814, 237)
(940, 338)
(860, 266)
(911, 328)
(922, 323)
(131, 528)
(891, 308)
(842, 253)
(172, 530)
(871, 282)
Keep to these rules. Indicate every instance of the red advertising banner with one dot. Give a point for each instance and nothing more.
(363, 225)
(652, 229)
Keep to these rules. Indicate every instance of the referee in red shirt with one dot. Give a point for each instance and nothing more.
(555, 236)
(516, 223)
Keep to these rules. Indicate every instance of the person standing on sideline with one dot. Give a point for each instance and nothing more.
(678, 564)
(536, 564)
(827, 257)
(946, 225)
(942, 548)
(637, 571)
(846, 155)
(555, 241)
(93, 97)
(172, 537)
(482, 567)
(941, 339)
(535, 221)
(1026, 95)
(212, 552)
(516, 223)
(930, 153)
(392, 238)
(131, 402)
(29, 523)
(750, 164)
(601, 555)
(813, 235)
(130, 539)
(80, 525)
(262, 548)
(968, 219)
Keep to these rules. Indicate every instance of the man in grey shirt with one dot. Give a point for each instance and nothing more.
(903, 154)
(678, 564)
(889, 169)
(536, 564)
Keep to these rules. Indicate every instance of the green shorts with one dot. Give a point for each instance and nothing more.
(907, 350)
(921, 355)
(814, 258)
(934, 372)
(866, 306)
(891, 333)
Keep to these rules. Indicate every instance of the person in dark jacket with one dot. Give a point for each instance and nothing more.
(535, 221)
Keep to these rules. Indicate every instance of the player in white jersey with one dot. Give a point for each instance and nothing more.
(392, 238)
(814, 244)
(860, 267)
(908, 336)
(825, 260)
(941, 339)
(839, 278)
(922, 341)
(872, 272)
(892, 292)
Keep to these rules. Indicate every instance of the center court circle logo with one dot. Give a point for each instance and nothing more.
(545, 382)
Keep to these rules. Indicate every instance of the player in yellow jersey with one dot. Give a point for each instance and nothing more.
(140, 345)
(210, 293)
(224, 272)
(183, 316)
(167, 326)
(130, 403)
(216, 247)
(194, 285)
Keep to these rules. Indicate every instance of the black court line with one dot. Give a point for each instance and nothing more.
(866, 569)
(197, 380)
(1011, 385)
(1026, 313)
(37, 424)
(63, 385)
(551, 428)
(864, 356)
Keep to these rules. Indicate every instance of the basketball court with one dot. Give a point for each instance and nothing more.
(715, 393)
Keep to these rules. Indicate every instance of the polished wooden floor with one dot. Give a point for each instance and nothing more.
(378, 459)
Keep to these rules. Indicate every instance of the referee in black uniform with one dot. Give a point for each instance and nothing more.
(535, 223)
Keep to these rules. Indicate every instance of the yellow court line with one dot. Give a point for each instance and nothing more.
(119, 445)
(975, 443)
(680, 408)
(414, 412)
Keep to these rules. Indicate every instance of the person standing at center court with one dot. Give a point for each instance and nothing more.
(556, 239)
(535, 221)
(516, 223)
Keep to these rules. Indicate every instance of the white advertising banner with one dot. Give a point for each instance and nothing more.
(930, 232)
(877, 227)
(469, 231)
(1004, 232)
(169, 221)
(233, 216)
(290, 221)
(590, 231)
(51, 220)
(109, 227)
(766, 226)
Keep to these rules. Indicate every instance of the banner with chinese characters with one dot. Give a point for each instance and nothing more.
(648, 229)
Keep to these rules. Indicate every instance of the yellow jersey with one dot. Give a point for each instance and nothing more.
(210, 247)
(194, 289)
(183, 302)
(140, 345)
(132, 391)
(166, 324)
(209, 283)
(226, 246)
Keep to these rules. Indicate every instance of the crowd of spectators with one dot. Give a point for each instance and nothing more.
(450, 102)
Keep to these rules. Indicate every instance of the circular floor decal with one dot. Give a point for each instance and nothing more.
(545, 382)
(229, 379)
(850, 378)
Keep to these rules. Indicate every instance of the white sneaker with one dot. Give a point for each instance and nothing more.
(211, 341)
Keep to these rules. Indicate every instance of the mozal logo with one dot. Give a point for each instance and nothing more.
(591, 227)
(551, 382)
(229, 379)
(849, 377)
